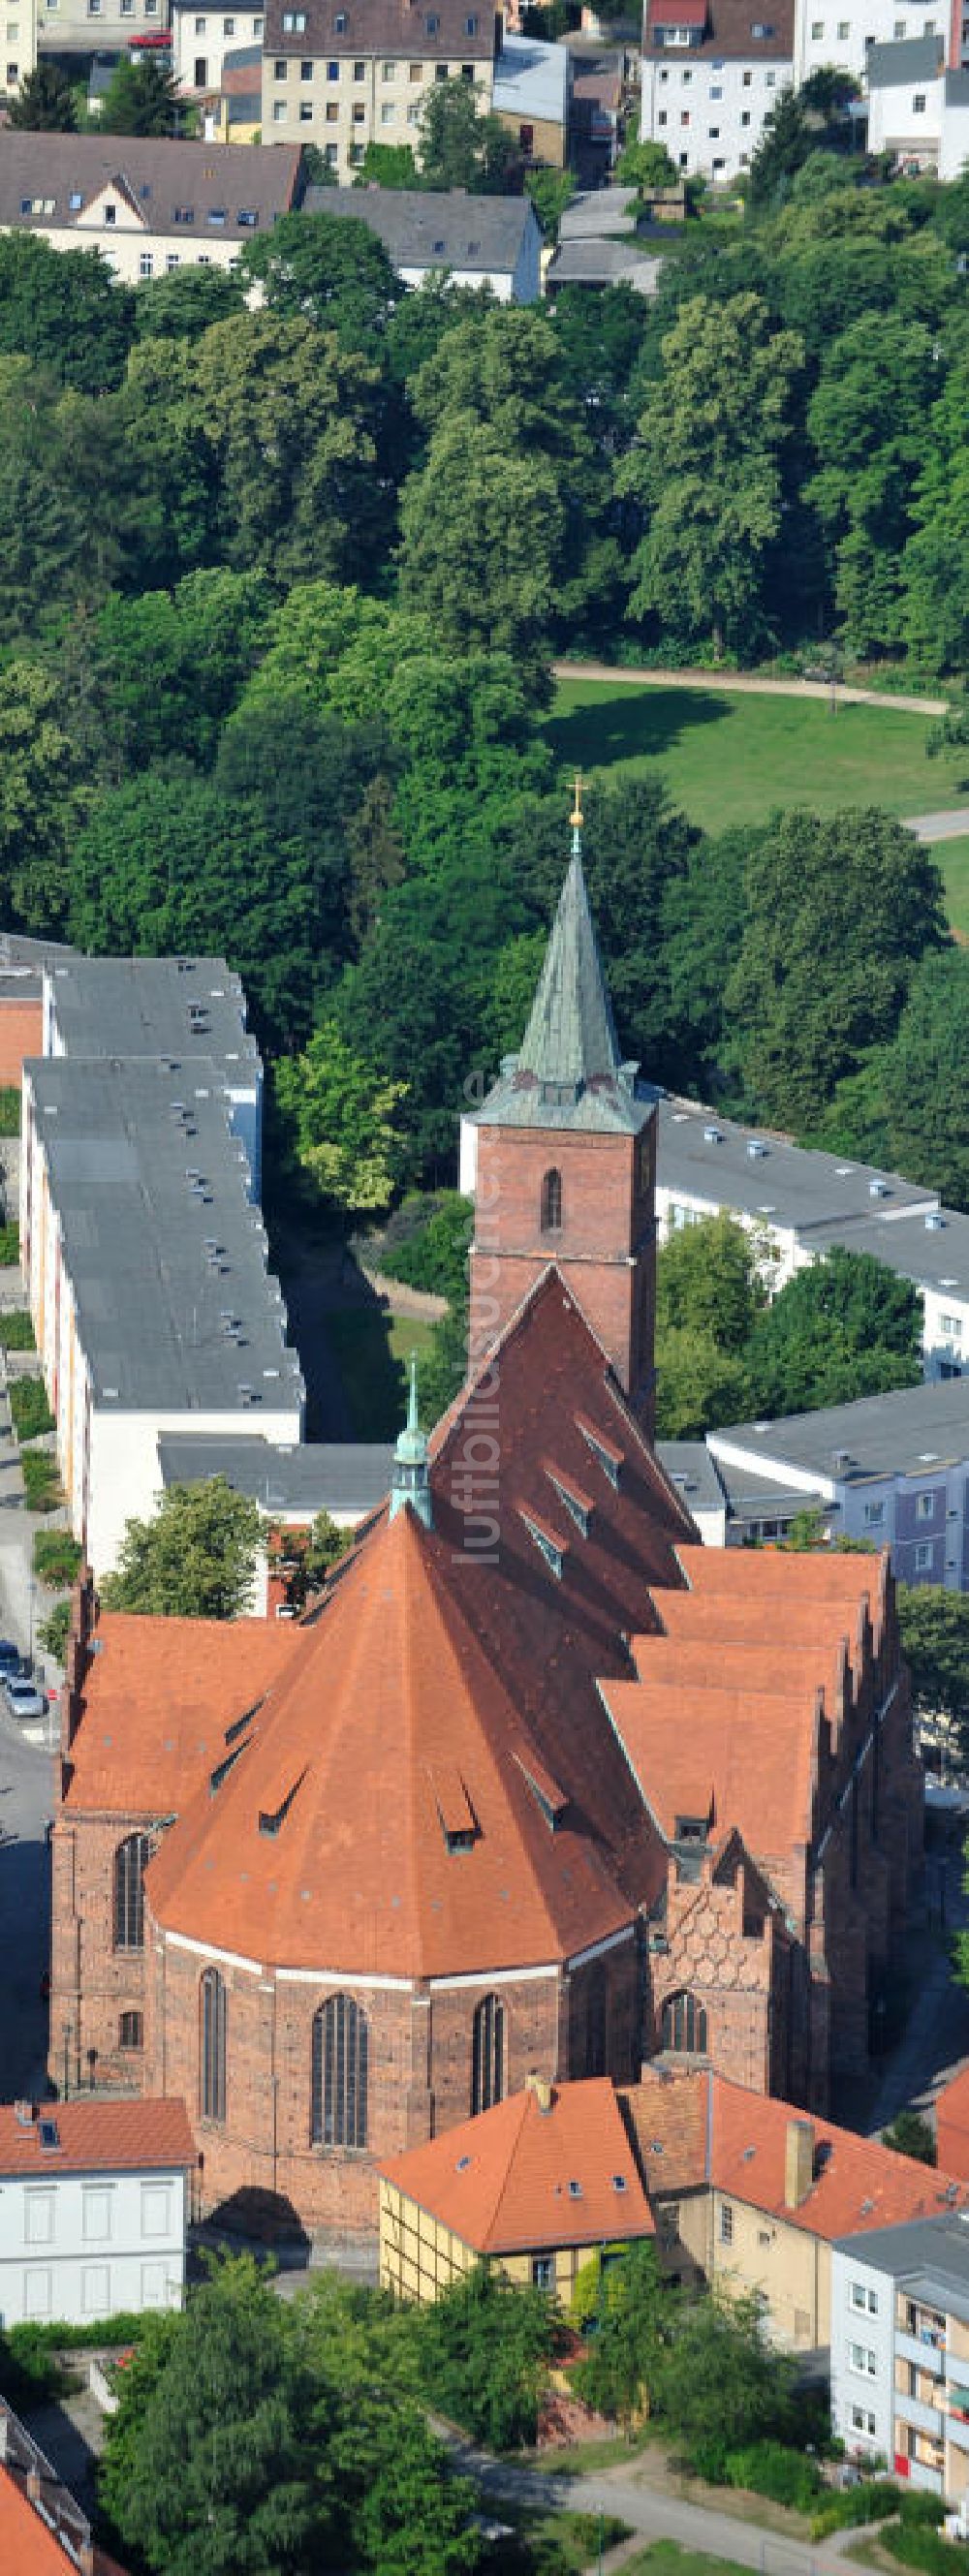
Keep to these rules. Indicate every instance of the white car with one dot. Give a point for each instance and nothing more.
(23, 1698)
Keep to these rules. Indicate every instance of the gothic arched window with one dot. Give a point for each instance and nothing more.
(130, 1863)
(685, 2025)
(212, 2046)
(552, 1203)
(488, 2054)
(338, 2115)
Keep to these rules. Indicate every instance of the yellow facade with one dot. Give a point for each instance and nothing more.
(419, 2258)
(789, 2269)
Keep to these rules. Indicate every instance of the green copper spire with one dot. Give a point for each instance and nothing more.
(571, 1039)
(410, 1482)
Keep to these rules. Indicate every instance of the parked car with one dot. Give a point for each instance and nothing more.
(23, 1698)
(9, 1656)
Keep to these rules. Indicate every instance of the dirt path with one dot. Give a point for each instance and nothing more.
(745, 683)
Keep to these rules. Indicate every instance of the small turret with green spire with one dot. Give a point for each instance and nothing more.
(410, 1481)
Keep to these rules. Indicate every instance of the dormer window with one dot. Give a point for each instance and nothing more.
(547, 1546)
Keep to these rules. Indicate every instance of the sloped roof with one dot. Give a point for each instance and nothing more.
(159, 177)
(520, 2176)
(157, 1697)
(732, 1756)
(917, 58)
(375, 1816)
(446, 228)
(97, 2137)
(569, 1071)
(952, 2122)
(668, 2114)
(858, 2184)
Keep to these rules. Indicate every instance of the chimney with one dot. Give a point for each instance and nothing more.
(540, 2086)
(798, 2162)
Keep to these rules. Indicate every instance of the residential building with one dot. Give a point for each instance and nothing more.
(93, 2209)
(538, 2185)
(473, 241)
(175, 1009)
(346, 1479)
(20, 44)
(918, 110)
(733, 2188)
(532, 96)
(599, 245)
(890, 1469)
(802, 1203)
(233, 113)
(345, 77)
(900, 2349)
(528, 1792)
(201, 39)
(841, 35)
(43, 2531)
(150, 207)
(712, 72)
(146, 1265)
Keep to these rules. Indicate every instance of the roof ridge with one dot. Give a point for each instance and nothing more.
(524, 2099)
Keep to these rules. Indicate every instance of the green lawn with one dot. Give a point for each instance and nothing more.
(370, 1352)
(551, 2544)
(666, 2558)
(953, 859)
(727, 760)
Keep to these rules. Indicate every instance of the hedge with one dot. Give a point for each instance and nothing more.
(16, 1331)
(56, 1558)
(871, 2501)
(9, 1244)
(30, 1412)
(9, 1109)
(42, 1488)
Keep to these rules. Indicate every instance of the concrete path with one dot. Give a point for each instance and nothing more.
(939, 827)
(653, 2514)
(746, 684)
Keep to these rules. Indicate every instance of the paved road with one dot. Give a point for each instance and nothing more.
(747, 685)
(655, 2515)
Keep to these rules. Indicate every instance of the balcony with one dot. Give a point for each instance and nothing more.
(929, 2356)
(957, 2432)
(930, 2479)
(913, 2410)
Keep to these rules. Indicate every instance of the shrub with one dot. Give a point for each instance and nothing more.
(16, 1329)
(435, 1255)
(56, 1558)
(872, 2501)
(918, 2546)
(9, 1109)
(9, 1244)
(772, 2469)
(30, 1412)
(42, 1491)
(915, 2506)
(53, 1633)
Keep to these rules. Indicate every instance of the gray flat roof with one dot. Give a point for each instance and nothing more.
(917, 1427)
(167, 1257)
(691, 1468)
(763, 1175)
(183, 1007)
(446, 228)
(599, 212)
(912, 59)
(928, 2256)
(933, 1256)
(318, 1476)
(602, 260)
(531, 80)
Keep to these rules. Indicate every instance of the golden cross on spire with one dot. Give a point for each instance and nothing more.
(576, 816)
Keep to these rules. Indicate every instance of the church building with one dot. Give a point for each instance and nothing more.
(540, 1787)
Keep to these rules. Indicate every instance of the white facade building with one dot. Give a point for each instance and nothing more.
(201, 38)
(492, 242)
(900, 2351)
(712, 71)
(93, 2209)
(917, 110)
(150, 207)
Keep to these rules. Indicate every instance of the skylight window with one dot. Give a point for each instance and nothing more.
(575, 2191)
(546, 1545)
(619, 2182)
(610, 1460)
(49, 2135)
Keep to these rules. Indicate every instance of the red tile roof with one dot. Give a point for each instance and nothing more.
(952, 2124)
(858, 2183)
(735, 1757)
(506, 2181)
(21, 1033)
(43, 2530)
(327, 1843)
(158, 1696)
(97, 2137)
(27, 2546)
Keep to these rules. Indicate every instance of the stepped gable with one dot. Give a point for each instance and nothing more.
(552, 2169)
(156, 1698)
(560, 1426)
(381, 1815)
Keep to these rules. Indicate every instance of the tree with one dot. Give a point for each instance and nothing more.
(910, 2135)
(141, 99)
(175, 662)
(342, 1116)
(481, 534)
(839, 912)
(64, 311)
(303, 1558)
(630, 2320)
(551, 191)
(706, 470)
(646, 166)
(903, 1108)
(708, 1275)
(934, 1627)
(483, 2356)
(184, 305)
(41, 801)
(388, 165)
(787, 139)
(461, 147)
(719, 2375)
(44, 103)
(330, 270)
(846, 1326)
(698, 1386)
(868, 420)
(195, 1560)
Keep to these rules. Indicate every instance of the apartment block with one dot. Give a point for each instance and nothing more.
(343, 77)
(900, 2350)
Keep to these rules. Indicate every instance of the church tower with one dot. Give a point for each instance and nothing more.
(564, 1159)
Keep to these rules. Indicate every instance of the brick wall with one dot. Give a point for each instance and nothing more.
(604, 1247)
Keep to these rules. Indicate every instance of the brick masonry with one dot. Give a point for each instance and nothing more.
(605, 1246)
